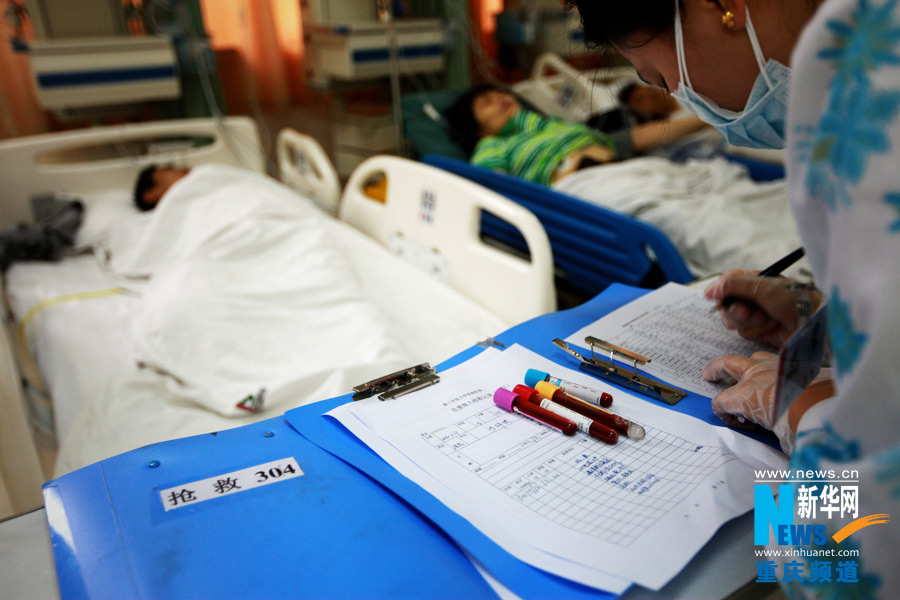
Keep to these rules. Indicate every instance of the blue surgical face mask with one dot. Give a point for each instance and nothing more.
(761, 124)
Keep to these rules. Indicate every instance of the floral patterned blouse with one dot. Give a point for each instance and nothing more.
(844, 177)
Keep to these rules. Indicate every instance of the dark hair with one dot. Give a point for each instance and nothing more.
(610, 23)
(144, 183)
(625, 93)
(613, 120)
(465, 130)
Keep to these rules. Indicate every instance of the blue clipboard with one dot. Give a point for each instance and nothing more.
(330, 533)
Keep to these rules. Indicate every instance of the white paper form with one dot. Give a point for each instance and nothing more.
(464, 505)
(573, 506)
(674, 328)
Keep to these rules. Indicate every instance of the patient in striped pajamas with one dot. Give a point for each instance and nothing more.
(499, 134)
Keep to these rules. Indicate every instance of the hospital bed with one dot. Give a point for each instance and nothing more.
(593, 245)
(85, 323)
(690, 220)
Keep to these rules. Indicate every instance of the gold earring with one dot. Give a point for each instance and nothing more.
(728, 19)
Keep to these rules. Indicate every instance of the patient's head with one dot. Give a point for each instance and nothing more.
(648, 101)
(153, 182)
(482, 111)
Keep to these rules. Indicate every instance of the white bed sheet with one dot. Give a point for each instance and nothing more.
(104, 405)
(716, 216)
(75, 344)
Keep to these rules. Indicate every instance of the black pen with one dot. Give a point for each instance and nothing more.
(773, 270)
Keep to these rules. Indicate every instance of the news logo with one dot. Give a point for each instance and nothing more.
(798, 515)
(804, 501)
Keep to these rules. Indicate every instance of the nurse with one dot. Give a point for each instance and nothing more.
(821, 79)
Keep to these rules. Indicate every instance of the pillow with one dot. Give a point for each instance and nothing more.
(108, 214)
(423, 134)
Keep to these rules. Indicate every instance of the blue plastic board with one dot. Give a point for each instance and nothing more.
(330, 533)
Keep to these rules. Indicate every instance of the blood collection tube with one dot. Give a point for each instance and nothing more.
(513, 402)
(584, 423)
(604, 399)
(620, 424)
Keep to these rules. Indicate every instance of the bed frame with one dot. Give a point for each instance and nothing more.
(304, 166)
(84, 163)
(413, 220)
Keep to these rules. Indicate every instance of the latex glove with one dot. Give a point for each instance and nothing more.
(752, 395)
(766, 311)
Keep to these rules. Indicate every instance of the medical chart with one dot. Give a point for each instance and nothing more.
(603, 515)
(675, 328)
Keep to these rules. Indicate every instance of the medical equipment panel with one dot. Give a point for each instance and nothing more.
(76, 73)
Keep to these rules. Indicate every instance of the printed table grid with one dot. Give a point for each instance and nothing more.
(615, 492)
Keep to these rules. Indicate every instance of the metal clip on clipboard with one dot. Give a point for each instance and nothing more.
(394, 385)
(608, 370)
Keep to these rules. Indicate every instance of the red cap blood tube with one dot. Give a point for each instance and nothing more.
(582, 392)
(511, 401)
(585, 423)
(620, 424)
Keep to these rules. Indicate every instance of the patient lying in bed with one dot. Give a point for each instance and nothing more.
(153, 182)
(499, 134)
(237, 288)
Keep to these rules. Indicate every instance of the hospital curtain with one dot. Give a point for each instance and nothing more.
(259, 46)
(484, 15)
(20, 113)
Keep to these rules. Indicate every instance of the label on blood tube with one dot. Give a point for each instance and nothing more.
(536, 420)
(582, 422)
(582, 392)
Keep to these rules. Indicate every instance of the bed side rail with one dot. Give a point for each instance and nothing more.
(593, 246)
(304, 166)
(433, 217)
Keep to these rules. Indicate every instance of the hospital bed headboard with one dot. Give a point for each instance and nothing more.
(433, 218)
(85, 162)
(592, 246)
(558, 89)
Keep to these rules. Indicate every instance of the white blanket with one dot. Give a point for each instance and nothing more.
(716, 216)
(251, 287)
(247, 291)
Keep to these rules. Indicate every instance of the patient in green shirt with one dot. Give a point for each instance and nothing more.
(499, 134)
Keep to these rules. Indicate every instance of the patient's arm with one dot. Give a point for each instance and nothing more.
(649, 135)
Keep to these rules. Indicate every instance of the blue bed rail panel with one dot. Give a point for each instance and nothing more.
(592, 246)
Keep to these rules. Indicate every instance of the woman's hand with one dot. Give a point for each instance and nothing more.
(752, 396)
(766, 309)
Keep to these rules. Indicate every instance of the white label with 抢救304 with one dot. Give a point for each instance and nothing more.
(188, 494)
